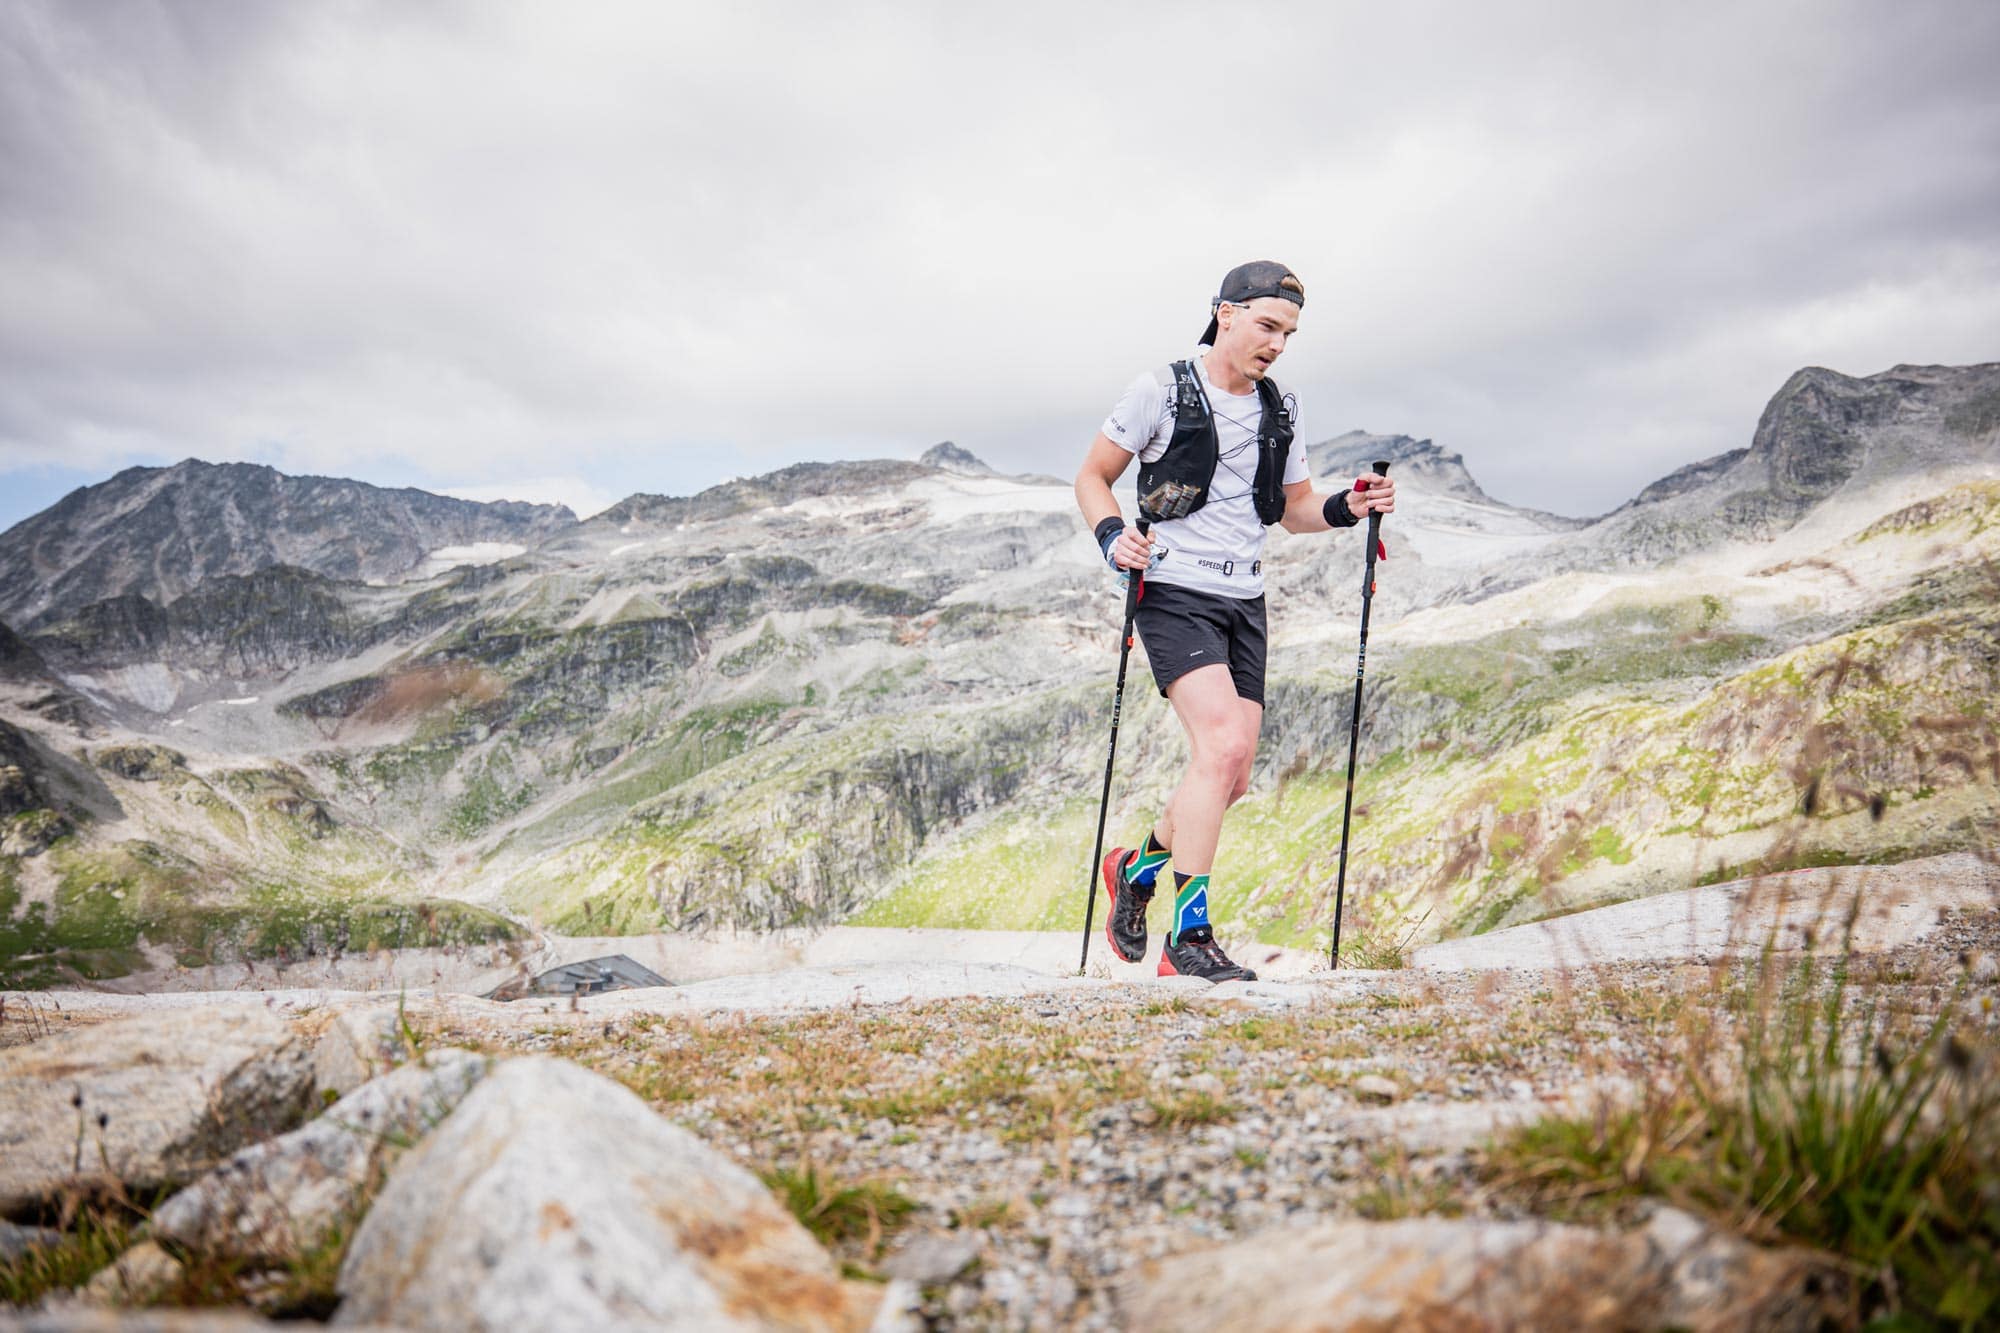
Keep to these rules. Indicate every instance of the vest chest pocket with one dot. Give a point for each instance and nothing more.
(1190, 455)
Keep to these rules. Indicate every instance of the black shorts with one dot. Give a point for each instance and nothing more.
(1183, 630)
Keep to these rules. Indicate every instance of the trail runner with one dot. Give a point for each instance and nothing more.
(1219, 422)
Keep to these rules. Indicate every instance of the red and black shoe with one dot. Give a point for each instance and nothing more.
(1125, 926)
(1196, 954)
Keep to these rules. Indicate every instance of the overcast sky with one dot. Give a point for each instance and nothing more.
(571, 251)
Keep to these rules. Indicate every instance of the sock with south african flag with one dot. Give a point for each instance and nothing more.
(1190, 905)
(1143, 866)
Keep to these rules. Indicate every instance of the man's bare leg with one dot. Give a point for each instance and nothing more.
(1222, 735)
(1221, 727)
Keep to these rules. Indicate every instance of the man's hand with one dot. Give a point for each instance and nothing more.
(1372, 494)
(1132, 549)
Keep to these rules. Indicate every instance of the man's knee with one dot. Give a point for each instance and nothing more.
(1240, 787)
(1246, 751)
(1226, 757)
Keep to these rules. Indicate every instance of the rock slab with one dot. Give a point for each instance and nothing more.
(137, 1277)
(95, 1319)
(90, 1319)
(16, 1241)
(1431, 1272)
(147, 1101)
(934, 1259)
(276, 1200)
(357, 1045)
(554, 1198)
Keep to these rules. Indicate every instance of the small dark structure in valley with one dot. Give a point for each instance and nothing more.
(589, 977)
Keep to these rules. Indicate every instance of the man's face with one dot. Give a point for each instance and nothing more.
(1251, 337)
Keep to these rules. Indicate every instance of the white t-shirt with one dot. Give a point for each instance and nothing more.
(1224, 534)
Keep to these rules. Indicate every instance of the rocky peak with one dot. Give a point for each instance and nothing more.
(948, 457)
(35, 687)
(1692, 477)
(740, 495)
(1807, 443)
(18, 660)
(272, 620)
(1823, 429)
(158, 532)
(1437, 470)
(1821, 433)
(1441, 470)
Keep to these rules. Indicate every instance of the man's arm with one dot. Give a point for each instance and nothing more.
(1102, 466)
(1305, 508)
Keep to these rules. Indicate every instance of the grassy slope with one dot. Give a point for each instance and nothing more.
(790, 828)
(1020, 871)
(1622, 795)
(1567, 777)
(240, 863)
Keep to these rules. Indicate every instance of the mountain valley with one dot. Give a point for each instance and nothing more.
(317, 717)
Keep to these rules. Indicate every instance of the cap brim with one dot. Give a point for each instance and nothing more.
(1208, 339)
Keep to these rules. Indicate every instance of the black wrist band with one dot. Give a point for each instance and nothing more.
(1337, 513)
(1108, 528)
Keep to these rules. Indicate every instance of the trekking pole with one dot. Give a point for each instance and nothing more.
(1354, 728)
(1171, 500)
(1137, 576)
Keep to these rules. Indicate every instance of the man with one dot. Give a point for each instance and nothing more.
(1219, 424)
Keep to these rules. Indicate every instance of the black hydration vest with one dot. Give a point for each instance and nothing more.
(1190, 456)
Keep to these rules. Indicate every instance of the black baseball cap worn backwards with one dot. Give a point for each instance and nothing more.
(1246, 282)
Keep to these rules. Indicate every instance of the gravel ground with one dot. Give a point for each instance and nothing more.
(1055, 1134)
(1054, 1142)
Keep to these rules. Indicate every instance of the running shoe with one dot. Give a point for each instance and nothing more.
(1125, 927)
(1198, 955)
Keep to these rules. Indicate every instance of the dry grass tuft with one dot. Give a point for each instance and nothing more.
(835, 1212)
(1821, 1098)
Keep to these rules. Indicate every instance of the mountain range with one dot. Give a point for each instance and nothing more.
(161, 532)
(245, 713)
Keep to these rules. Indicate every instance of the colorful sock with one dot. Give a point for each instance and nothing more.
(1190, 905)
(1143, 866)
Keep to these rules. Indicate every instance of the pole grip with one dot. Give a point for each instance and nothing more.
(1132, 591)
(1381, 467)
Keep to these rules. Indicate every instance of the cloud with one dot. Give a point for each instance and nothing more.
(1579, 243)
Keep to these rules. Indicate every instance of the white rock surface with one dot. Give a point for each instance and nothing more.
(145, 1100)
(89, 1319)
(695, 956)
(278, 1199)
(868, 966)
(857, 983)
(554, 1198)
(1898, 904)
(136, 1277)
(804, 989)
(1440, 1273)
(357, 1045)
(1450, 1126)
(935, 1257)
(16, 1241)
